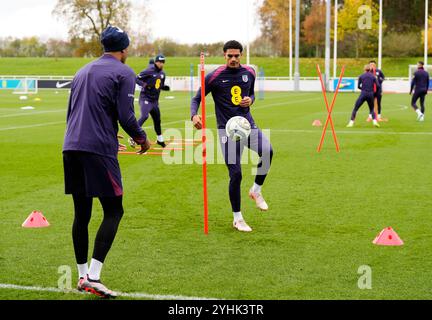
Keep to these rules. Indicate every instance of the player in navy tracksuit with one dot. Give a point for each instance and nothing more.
(366, 84)
(102, 94)
(421, 84)
(232, 88)
(378, 93)
(152, 81)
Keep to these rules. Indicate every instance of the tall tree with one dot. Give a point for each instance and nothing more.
(274, 15)
(88, 18)
(314, 26)
(358, 21)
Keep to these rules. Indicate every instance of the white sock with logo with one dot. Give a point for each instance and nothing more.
(237, 216)
(418, 112)
(256, 188)
(95, 269)
(82, 270)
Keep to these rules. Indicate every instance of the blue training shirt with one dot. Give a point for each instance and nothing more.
(366, 83)
(420, 81)
(228, 86)
(102, 94)
(152, 80)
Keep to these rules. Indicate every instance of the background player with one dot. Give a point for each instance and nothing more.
(366, 84)
(232, 88)
(378, 93)
(102, 94)
(152, 81)
(420, 85)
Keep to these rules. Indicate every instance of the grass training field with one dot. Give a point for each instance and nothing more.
(180, 66)
(325, 209)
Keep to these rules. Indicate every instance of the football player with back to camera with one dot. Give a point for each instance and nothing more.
(232, 89)
(102, 95)
(420, 86)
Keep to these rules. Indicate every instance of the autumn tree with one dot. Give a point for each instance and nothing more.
(88, 18)
(274, 15)
(358, 22)
(314, 26)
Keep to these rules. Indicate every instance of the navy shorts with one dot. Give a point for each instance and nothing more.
(91, 175)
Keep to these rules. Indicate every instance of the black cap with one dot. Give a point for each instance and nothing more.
(114, 39)
(159, 58)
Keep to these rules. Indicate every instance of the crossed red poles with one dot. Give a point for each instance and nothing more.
(329, 109)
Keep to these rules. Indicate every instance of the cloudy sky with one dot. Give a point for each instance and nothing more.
(185, 21)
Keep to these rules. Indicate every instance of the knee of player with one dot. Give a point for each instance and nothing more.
(236, 175)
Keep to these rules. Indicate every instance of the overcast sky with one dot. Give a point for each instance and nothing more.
(185, 21)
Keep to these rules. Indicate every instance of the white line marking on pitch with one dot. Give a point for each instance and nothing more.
(33, 125)
(120, 294)
(350, 132)
(30, 113)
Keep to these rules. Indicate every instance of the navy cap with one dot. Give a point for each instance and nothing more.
(114, 39)
(160, 57)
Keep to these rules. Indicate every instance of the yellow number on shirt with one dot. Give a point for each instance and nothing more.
(158, 83)
(236, 95)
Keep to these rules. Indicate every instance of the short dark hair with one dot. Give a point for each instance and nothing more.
(232, 44)
(421, 62)
(372, 61)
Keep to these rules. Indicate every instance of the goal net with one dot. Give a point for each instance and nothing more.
(26, 86)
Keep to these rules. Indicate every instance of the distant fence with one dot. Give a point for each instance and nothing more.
(267, 84)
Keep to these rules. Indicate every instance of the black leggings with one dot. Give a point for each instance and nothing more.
(419, 95)
(113, 212)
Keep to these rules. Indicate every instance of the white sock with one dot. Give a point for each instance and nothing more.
(418, 112)
(370, 116)
(237, 216)
(95, 269)
(256, 188)
(379, 116)
(82, 270)
(160, 138)
(351, 122)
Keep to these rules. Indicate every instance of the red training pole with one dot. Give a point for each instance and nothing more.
(204, 146)
(329, 109)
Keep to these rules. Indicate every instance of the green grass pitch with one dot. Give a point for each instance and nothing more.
(325, 209)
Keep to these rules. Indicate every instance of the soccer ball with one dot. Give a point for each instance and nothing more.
(238, 128)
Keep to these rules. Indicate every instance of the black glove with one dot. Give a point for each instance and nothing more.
(166, 88)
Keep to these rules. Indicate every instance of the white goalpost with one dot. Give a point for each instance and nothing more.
(26, 86)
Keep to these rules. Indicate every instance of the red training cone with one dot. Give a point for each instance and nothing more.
(35, 220)
(388, 237)
(316, 123)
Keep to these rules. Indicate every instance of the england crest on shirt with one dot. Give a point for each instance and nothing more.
(245, 78)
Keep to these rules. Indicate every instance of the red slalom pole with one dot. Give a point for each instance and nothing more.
(329, 109)
(204, 145)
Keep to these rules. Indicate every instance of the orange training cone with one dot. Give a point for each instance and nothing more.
(388, 237)
(35, 220)
(316, 123)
